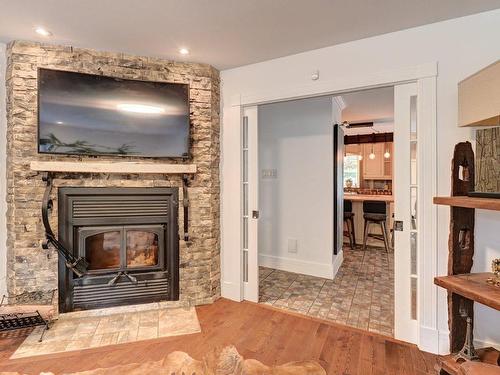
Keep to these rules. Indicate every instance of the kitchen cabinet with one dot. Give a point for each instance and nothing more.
(359, 222)
(378, 168)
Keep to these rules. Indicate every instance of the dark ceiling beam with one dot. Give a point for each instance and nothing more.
(368, 138)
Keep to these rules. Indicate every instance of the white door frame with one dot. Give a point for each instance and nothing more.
(231, 253)
(405, 326)
(250, 202)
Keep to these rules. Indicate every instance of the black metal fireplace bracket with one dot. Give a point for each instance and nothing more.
(185, 203)
(79, 265)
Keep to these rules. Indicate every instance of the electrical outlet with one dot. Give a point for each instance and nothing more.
(292, 245)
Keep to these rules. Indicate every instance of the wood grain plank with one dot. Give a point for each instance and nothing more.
(469, 202)
(472, 286)
(268, 335)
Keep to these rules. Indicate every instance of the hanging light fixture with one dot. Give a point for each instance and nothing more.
(360, 156)
(387, 154)
(372, 154)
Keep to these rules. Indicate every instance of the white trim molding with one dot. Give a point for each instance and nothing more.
(427, 262)
(304, 267)
(339, 102)
(337, 262)
(425, 75)
(341, 84)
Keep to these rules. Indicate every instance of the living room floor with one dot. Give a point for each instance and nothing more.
(265, 333)
(361, 294)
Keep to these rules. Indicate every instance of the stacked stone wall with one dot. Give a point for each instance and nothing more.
(31, 268)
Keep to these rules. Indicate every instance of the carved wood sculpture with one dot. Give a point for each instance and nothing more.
(226, 362)
(461, 242)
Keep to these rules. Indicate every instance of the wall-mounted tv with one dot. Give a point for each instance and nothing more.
(86, 114)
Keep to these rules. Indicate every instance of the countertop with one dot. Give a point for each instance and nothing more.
(365, 197)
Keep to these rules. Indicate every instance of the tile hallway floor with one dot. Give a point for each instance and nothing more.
(361, 295)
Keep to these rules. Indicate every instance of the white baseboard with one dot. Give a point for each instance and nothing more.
(444, 343)
(438, 342)
(231, 291)
(429, 340)
(317, 269)
(337, 262)
(485, 344)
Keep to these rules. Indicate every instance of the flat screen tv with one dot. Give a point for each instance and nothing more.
(86, 114)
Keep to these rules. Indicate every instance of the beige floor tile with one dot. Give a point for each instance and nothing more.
(362, 292)
(89, 332)
(147, 333)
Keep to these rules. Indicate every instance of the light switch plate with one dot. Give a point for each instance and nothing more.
(269, 173)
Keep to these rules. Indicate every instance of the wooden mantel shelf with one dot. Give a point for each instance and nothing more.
(469, 202)
(111, 167)
(472, 286)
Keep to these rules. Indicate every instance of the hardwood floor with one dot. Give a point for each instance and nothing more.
(260, 332)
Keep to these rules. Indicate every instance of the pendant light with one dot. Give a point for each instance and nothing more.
(372, 154)
(387, 154)
(360, 156)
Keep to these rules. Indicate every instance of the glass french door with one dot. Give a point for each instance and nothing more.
(250, 202)
(406, 193)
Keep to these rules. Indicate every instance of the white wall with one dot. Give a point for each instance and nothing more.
(295, 139)
(3, 174)
(461, 47)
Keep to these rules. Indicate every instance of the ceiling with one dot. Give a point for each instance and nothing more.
(376, 105)
(224, 33)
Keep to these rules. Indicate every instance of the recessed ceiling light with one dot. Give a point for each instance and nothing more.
(59, 122)
(140, 108)
(42, 31)
(183, 51)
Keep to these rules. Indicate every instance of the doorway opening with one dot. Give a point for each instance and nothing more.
(304, 182)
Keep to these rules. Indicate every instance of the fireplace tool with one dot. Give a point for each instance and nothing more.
(78, 265)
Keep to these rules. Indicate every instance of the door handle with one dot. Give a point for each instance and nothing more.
(255, 214)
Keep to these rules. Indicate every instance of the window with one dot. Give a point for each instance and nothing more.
(351, 170)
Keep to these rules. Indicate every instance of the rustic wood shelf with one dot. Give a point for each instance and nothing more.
(450, 365)
(469, 202)
(111, 167)
(472, 286)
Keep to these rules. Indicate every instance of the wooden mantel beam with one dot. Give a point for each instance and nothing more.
(112, 167)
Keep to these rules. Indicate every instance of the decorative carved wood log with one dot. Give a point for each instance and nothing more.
(461, 242)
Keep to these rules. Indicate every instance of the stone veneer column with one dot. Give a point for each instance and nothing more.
(29, 267)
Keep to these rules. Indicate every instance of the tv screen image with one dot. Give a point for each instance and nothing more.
(87, 114)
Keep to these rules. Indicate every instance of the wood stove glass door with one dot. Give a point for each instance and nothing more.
(143, 246)
(101, 247)
(120, 248)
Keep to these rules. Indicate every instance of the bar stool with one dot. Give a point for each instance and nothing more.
(349, 222)
(375, 213)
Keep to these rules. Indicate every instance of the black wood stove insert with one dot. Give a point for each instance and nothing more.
(130, 239)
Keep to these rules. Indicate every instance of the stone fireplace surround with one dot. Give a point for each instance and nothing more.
(31, 268)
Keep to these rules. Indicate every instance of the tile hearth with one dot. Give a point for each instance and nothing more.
(75, 331)
(361, 295)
